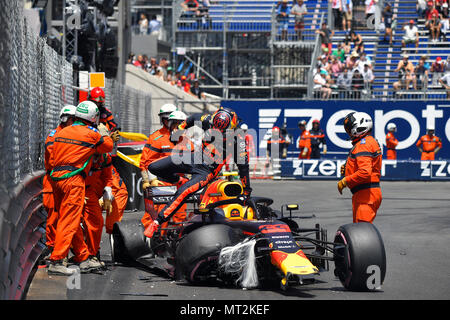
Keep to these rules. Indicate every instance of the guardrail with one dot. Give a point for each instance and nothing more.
(22, 226)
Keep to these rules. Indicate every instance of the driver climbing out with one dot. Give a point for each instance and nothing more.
(159, 146)
(221, 142)
(363, 167)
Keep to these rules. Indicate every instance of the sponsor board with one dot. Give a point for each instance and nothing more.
(390, 170)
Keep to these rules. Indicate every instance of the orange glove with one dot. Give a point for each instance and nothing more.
(341, 185)
(151, 229)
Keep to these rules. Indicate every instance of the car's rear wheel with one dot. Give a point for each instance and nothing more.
(359, 256)
(197, 253)
(128, 241)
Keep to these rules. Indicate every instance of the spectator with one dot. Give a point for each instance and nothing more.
(131, 58)
(283, 18)
(437, 69)
(299, 10)
(139, 62)
(351, 61)
(346, 46)
(155, 26)
(339, 53)
(145, 63)
(169, 76)
(159, 73)
(387, 20)
(185, 85)
(438, 5)
(326, 36)
(433, 23)
(363, 60)
(143, 24)
(196, 91)
(204, 14)
(405, 71)
(357, 84)
(190, 8)
(336, 7)
(153, 66)
(323, 62)
(358, 43)
(444, 12)
(321, 85)
(368, 77)
(445, 82)
(344, 82)
(347, 14)
(411, 34)
(421, 8)
(370, 10)
(335, 68)
(421, 73)
(445, 25)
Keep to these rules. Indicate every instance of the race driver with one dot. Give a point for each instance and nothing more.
(429, 144)
(221, 142)
(159, 146)
(363, 167)
(70, 160)
(66, 117)
(391, 142)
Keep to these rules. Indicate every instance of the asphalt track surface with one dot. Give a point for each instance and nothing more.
(414, 220)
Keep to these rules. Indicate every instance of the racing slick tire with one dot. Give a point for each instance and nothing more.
(197, 253)
(359, 256)
(128, 242)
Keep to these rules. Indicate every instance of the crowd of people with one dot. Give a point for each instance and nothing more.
(165, 72)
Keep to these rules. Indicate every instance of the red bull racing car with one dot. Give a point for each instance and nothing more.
(230, 238)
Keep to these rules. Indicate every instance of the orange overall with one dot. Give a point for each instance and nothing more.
(158, 146)
(305, 142)
(47, 192)
(120, 193)
(99, 177)
(391, 144)
(73, 149)
(428, 145)
(362, 174)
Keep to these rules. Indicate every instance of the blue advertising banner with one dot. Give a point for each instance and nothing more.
(390, 170)
(411, 118)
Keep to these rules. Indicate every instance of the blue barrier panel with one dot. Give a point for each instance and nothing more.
(400, 170)
(411, 118)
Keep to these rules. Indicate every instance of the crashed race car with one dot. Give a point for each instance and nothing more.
(230, 238)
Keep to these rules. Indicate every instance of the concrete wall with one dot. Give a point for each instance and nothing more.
(163, 92)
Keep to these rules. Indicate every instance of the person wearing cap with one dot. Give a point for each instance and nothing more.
(429, 144)
(185, 85)
(411, 34)
(350, 63)
(433, 23)
(406, 75)
(317, 137)
(391, 142)
(437, 69)
(283, 12)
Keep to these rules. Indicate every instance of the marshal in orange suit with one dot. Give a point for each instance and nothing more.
(363, 167)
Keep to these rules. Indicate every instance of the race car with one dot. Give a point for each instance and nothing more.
(232, 238)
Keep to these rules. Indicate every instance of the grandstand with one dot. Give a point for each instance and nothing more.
(242, 53)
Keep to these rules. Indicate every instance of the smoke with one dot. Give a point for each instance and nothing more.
(239, 261)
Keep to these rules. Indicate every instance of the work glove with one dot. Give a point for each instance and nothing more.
(115, 136)
(151, 229)
(341, 185)
(156, 183)
(324, 149)
(105, 204)
(305, 152)
(343, 170)
(103, 130)
(145, 185)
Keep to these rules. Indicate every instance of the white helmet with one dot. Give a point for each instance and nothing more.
(88, 110)
(176, 116)
(244, 127)
(357, 124)
(165, 111)
(391, 127)
(67, 111)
